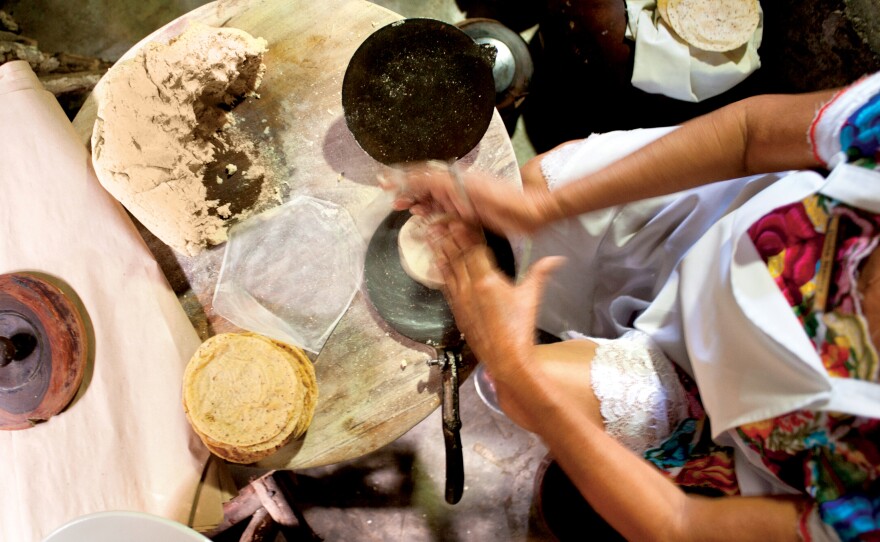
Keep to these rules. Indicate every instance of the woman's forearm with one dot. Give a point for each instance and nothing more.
(631, 494)
(760, 134)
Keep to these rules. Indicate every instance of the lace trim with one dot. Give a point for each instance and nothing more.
(554, 163)
(640, 396)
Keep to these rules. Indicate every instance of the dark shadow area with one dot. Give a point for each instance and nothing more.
(562, 511)
(343, 154)
(583, 62)
(382, 479)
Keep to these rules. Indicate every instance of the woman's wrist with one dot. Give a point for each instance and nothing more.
(553, 207)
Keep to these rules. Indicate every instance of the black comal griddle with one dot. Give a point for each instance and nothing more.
(417, 90)
(422, 314)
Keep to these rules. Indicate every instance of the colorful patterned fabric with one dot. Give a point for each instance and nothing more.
(831, 457)
(860, 135)
(847, 126)
(813, 249)
(834, 458)
(690, 458)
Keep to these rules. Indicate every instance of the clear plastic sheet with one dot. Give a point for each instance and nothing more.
(290, 273)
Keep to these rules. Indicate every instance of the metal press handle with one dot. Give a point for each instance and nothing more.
(452, 429)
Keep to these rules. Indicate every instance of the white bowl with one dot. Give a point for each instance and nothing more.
(124, 527)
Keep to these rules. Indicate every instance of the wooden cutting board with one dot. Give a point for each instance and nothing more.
(374, 384)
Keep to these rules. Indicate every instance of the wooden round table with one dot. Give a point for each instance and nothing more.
(374, 384)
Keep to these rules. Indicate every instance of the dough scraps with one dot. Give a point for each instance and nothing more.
(416, 256)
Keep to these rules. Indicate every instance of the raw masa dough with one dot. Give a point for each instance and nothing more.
(161, 121)
(416, 256)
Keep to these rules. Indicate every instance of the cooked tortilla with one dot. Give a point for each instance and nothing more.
(246, 395)
(712, 25)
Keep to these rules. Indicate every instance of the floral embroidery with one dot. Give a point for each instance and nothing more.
(860, 135)
(790, 237)
(834, 458)
(688, 456)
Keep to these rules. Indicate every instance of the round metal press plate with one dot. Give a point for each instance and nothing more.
(412, 309)
(419, 89)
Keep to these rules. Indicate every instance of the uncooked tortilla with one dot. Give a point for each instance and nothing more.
(416, 256)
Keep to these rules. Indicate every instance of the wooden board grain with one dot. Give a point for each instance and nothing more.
(374, 384)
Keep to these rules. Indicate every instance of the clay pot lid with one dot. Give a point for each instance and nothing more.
(43, 350)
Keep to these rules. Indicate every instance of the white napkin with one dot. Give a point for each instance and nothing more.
(124, 443)
(666, 64)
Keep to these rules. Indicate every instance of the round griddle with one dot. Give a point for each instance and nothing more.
(413, 310)
(423, 315)
(42, 350)
(419, 89)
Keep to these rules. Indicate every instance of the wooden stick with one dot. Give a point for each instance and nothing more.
(236, 510)
(261, 528)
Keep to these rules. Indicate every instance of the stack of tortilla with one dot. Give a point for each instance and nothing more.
(247, 395)
(712, 25)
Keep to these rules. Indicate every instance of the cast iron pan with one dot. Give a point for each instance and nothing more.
(419, 89)
(423, 315)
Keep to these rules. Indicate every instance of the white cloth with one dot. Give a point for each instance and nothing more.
(618, 259)
(763, 364)
(124, 443)
(666, 64)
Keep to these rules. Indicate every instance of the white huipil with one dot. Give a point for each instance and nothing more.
(683, 269)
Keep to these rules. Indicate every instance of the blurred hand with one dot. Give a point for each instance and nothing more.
(479, 199)
(496, 317)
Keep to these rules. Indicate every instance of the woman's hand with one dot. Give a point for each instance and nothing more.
(477, 198)
(496, 316)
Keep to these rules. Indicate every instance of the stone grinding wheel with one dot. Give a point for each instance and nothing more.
(419, 89)
(44, 350)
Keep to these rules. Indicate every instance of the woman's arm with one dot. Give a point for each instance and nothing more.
(498, 319)
(757, 135)
(631, 494)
